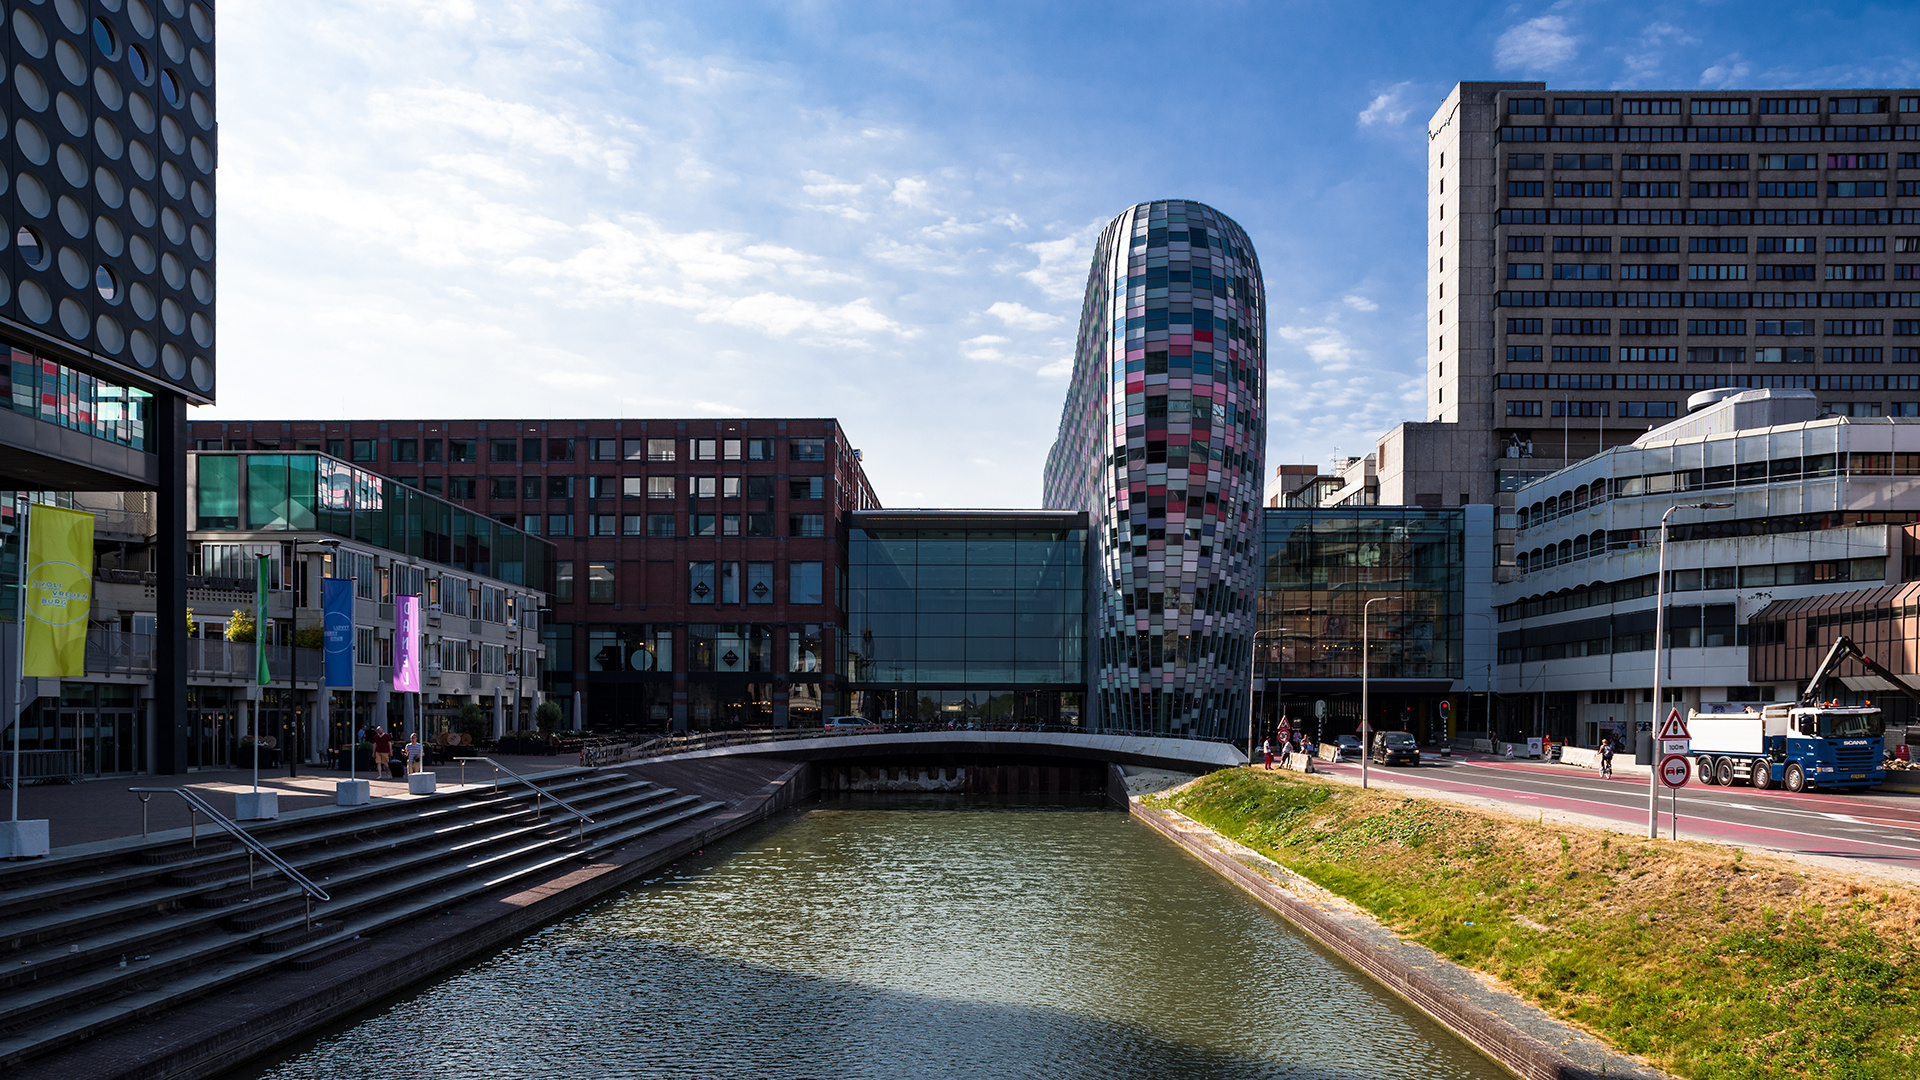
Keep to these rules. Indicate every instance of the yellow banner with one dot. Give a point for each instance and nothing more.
(59, 593)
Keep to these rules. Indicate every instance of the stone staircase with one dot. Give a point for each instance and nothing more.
(95, 940)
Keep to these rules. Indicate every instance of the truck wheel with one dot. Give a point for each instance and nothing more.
(1704, 766)
(1796, 779)
(1723, 773)
(1762, 776)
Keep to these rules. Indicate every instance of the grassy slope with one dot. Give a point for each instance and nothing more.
(1709, 963)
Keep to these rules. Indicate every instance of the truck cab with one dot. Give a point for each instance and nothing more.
(1791, 746)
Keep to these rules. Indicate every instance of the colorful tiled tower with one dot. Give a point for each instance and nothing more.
(1162, 440)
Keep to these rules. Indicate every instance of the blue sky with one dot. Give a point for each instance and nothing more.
(878, 212)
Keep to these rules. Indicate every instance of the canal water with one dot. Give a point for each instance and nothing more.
(907, 936)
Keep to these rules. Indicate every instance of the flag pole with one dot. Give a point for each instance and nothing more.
(21, 503)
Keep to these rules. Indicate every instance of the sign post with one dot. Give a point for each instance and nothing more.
(1674, 771)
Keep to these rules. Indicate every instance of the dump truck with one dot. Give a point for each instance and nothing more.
(1802, 745)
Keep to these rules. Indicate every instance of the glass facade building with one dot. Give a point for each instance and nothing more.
(1162, 442)
(1320, 567)
(967, 616)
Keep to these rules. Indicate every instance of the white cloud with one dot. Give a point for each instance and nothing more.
(1359, 303)
(1022, 317)
(1388, 107)
(1535, 45)
(1063, 263)
(1731, 71)
(984, 347)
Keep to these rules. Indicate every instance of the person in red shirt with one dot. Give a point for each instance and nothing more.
(382, 750)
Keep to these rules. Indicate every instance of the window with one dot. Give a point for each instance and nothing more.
(1523, 408)
(1523, 326)
(1717, 191)
(1581, 190)
(813, 525)
(759, 487)
(659, 449)
(700, 583)
(1582, 272)
(1717, 272)
(703, 450)
(432, 448)
(659, 487)
(1582, 326)
(730, 449)
(1637, 162)
(1851, 356)
(1768, 244)
(601, 450)
(1857, 105)
(1856, 189)
(700, 525)
(636, 524)
(806, 449)
(1783, 326)
(1649, 272)
(633, 487)
(599, 583)
(1783, 356)
(1857, 243)
(1524, 243)
(729, 524)
(1583, 106)
(462, 450)
(1583, 243)
(729, 582)
(1526, 106)
(432, 485)
(559, 524)
(1649, 243)
(806, 487)
(1648, 356)
(1720, 107)
(1789, 105)
(759, 524)
(1656, 107)
(559, 449)
(503, 449)
(529, 487)
(1873, 272)
(1579, 408)
(563, 580)
(759, 449)
(1583, 161)
(660, 526)
(803, 583)
(559, 487)
(1523, 354)
(1582, 354)
(1722, 244)
(1526, 189)
(1649, 326)
(1649, 409)
(600, 525)
(1856, 161)
(460, 487)
(1524, 271)
(530, 450)
(1660, 190)
(1526, 161)
(1910, 104)
(702, 487)
(505, 487)
(406, 450)
(729, 487)
(600, 487)
(362, 449)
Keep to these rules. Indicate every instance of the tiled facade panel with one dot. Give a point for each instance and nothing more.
(1162, 441)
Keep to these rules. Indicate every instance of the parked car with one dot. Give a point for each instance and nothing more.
(1395, 748)
(1349, 745)
(846, 725)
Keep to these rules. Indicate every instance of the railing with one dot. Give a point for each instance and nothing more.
(41, 765)
(119, 652)
(538, 791)
(708, 740)
(197, 805)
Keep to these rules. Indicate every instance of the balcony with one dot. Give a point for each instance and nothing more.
(115, 652)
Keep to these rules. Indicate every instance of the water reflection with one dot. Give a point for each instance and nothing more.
(856, 940)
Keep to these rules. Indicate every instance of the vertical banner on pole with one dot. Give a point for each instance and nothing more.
(336, 619)
(406, 644)
(59, 592)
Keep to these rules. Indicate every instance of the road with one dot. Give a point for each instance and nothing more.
(1881, 827)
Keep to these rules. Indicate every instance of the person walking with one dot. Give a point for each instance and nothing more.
(414, 753)
(1266, 747)
(382, 750)
(1606, 759)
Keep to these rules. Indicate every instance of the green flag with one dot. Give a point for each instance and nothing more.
(260, 624)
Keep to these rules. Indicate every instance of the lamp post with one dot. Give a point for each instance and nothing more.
(1494, 651)
(1366, 729)
(1659, 650)
(1252, 680)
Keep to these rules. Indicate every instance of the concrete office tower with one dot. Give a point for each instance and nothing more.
(1595, 257)
(1162, 441)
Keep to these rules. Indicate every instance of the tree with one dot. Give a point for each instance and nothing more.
(240, 627)
(473, 722)
(547, 716)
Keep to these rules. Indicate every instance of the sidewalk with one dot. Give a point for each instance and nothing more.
(95, 810)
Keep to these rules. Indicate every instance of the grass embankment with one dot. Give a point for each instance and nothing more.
(1708, 962)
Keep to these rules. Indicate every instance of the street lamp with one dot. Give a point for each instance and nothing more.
(1659, 649)
(1366, 729)
(1252, 669)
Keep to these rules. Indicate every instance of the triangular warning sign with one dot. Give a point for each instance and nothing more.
(1674, 727)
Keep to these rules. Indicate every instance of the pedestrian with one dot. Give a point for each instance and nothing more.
(414, 752)
(1266, 747)
(1606, 759)
(382, 750)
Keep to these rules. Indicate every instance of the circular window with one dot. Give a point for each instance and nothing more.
(32, 251)
(104, 39)
(170, 87)
(137, 60)
(107, 284)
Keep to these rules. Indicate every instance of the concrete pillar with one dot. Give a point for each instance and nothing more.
(169, 432)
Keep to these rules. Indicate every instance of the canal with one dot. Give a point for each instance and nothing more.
(893, 936)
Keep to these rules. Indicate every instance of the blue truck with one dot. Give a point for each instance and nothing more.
(1799, 746)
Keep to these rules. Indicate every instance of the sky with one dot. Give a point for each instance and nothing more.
(879, 212)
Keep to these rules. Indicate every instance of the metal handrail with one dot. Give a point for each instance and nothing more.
(538, 791)
(253, 846)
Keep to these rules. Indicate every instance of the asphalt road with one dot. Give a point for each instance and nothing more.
(1880, 827)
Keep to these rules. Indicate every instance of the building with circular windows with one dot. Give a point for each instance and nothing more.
(1162, 441)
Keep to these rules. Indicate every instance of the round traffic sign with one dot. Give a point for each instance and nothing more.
(1674, 771)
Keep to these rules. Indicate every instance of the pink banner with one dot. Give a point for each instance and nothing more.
(406, 643)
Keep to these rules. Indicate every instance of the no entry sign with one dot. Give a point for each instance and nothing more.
(1674, 771)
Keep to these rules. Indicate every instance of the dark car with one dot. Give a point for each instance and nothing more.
(1349, 746)
(1395, 748)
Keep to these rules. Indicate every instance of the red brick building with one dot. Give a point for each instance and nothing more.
(700, 563)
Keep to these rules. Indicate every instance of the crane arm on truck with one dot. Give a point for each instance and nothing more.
(1843, 649)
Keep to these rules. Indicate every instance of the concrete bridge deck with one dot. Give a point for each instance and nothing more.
(1156, 752)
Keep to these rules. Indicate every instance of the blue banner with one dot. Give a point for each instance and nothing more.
(336, 602)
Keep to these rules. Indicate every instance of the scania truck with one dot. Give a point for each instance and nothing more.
(1807, 744)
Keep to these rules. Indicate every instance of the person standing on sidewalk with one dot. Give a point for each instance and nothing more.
(382, 750)
(414, 752)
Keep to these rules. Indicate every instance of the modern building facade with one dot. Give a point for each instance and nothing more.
(1397, 576)
(1821, 512)
(967, 616)
(107, 274)
(1595, 257)
(697, 564)
(1162, 444)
